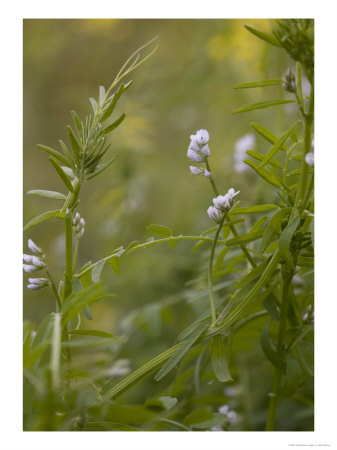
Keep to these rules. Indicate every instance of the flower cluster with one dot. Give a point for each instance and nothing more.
(78, 225)
(222, 203)
(35, 263)
(198, 151)
(247, 142)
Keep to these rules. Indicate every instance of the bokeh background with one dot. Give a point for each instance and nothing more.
(186, 85)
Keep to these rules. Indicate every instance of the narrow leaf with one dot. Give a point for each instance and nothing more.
(96, 271)
(47, 194)
(61, 174)
(277, 145)
(114, 124)
(160, 230)
(219, 360)
(260, 156)
(101, 95)
(269, 349)
(266, 175)
(114, 262)
(93, 104)
(53, 153)
(75, 145)
(273, 227)
(270, 137)
(270, 38)
(285, 239)
(249, 237)
(254, 209)
(97, 333)
(261, 83)
(41, 218)
(78, 123)
(261, 105)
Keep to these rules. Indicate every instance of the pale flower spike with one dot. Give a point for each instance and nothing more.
(222, 204)
(33, 247)
(214, 214)
(198, 149)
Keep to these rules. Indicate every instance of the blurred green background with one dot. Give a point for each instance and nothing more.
(186, 85)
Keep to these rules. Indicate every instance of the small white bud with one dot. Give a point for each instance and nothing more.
(207, 174)
(37, 262)
(81, 223)
(194, 156)
(205, 150)
(196, 170)
(231, 194)
(29, 268)
(27, 258)
(33, 287)
(33, 247)
(222, 202)
(38, 281)
(193, 144)
(214, 214)
(309, 159)
(81, 232)
(202, 137)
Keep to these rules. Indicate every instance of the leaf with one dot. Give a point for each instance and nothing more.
(220, 257)
(285, 240)
(258, 225)
(114, 124)
(254, 209)
(270, 137)
(160, 230)
(261, 105)
(277, 145)
(97, 270)
(261, 83)
(101, 94)
(86, 311)
(249, 237)
(204, 419)
(198, 245)
(77, 301)
(219, 360)
(292, 378)
(113, 101)
(260, 156)
(78, 123)
(114, 263)
(180, 352)
(270, 38)
(67, 154)
(75, 145)
(164, 402)
(53, 153)
(274, 227)
(269, 350)
(47, 194)
(41, 218)
(99, 169)
(61, 173)
(97, 333)
(131, 246)
(93, 104)
(266, 175)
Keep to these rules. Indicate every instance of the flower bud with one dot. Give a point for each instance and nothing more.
(37, 262)
(310, 159)
(194, 156)
(27, 258)
(39, 281)
(202, 137)
(34, 248)
(221, 202)
(196, 170)
(205, 150)
(207, 174)
(29, 268)
(214, 214)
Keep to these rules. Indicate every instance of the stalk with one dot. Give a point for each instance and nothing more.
(68, 274)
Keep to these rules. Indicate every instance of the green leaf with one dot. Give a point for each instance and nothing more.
(77, 121)
(41, 218)
(259, 224)
(53, 153)
(101, 94)
(254, 209)
(249, 237)
(96, 271)
(204, 419)
(219, 360)
(47, 194)
(269, 349)
(285, 240)
(67, 154)
(164, 402)
(220, 257)
(160, 230)
(274, 227)
(77, 301)
(86, 311)
(292, 379)
(261, 83)
(93, 104)
(75, 145)
(198, 245)
(266, 175)
(61, 174)
(131, 246)
(99, 169)
(270, 137)
(261, 105)
(114, 262)
(114, 124)
(180, 352)
(108, 110)
(260, 156)
(278, 144)
(270, 38)
(97, 333)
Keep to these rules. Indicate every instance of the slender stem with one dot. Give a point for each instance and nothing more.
(281, 349)
(231, 227)
(210, 270)
(68, 274)
(75, 253)
(53, 288)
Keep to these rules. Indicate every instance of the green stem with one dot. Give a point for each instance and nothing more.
(281, 349)
(208, 167)
(53, 288)
(68, 274)
(75, 253)
(210, 270)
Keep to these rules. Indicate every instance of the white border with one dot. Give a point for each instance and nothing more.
(324, 12)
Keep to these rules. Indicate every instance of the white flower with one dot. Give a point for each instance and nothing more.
(80, 234)
(27, 258)
(221, 202)
(214, 214)
(207, 174)
(205, 150)
(247, 142)
(231, 194)
(193, 144)
(196, 170)
(309, 159)
(33, 247)
(202, 137)
(38, 280)
(34, 287)
(194, 156)
(29, 268)
(231, 415)
(37, 262)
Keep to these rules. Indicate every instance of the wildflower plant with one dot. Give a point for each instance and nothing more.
(265, 258)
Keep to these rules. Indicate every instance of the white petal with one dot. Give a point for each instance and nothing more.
(194, 156)
(27, 258)
(29, 268)
(33, 247)
(205, 150)
(196, 170)
(207, 174)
